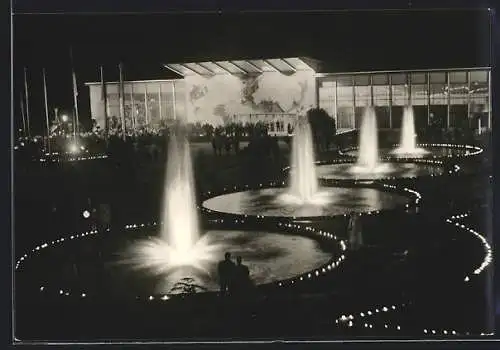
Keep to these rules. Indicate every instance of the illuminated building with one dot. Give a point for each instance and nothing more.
(275, 91)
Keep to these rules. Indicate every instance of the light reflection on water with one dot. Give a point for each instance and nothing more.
(269, 256)
(334, 201)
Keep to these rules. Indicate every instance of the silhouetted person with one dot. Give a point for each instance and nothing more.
(241, 283)
(226, 270)
(214, 145)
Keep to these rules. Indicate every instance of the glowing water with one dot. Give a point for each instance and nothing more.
(180, 227)
(408, 142)
(368, 157)
(303, 187)
(303, 181)
(180, 244)
(368, 141)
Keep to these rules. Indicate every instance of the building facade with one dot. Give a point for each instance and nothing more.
(275, 91)
(449, 97)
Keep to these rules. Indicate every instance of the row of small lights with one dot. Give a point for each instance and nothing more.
(53, 243)
(322, 270)
(350, 319)
(314, 273)
(74, 159)
(488, 258)
(475, 149)
(383, 309)
(210, 194)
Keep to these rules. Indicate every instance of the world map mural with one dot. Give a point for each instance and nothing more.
(218, 98)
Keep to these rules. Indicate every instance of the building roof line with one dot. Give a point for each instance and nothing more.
(136, 81)
(403, 71)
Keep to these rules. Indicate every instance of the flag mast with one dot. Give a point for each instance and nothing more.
(104, 99)
(46, 109)
(22, 114)
(75, 97)
(122, 102)
(27, 101)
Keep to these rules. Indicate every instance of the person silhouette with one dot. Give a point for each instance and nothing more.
(226, 271)
(241, 277)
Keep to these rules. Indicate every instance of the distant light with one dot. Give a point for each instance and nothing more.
(73, 148)
(64, 118)
(86, 214)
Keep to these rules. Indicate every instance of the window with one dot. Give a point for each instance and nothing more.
(479, 89)
(418, 78)
(345, 118)
(399, 79)
(419, 94)
(437, 77)
(457, 77)
(380, 79)
(381, 95)
(327, 98)
(363, 96)
(438, 94)
(344, 80)
(399, 95)
(344, 96)
(361, 80)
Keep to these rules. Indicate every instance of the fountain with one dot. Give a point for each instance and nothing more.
(303, 188)
(408, 143)
(180, 243)
(368, 157)
(304, 197)
(303, 181)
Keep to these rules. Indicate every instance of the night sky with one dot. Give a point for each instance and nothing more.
(346, 41)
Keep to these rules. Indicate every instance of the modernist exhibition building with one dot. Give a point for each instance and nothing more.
(275, 91)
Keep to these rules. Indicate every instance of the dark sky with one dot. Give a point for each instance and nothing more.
(345, 41)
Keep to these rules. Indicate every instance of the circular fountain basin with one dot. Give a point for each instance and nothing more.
(385, 170)
(423, 151)
(93, 265)
(330, 201)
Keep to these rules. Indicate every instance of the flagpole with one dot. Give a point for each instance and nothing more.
(104, 98)
(146, 106)
(27, 101)
(122, 104)
(22, 114)
(46, 109)
(75, 96)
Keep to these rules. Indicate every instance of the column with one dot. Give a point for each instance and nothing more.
(134, 114)
(317, 85)
(489, 99)
(146, 107)
(408, 81)
(159, 100)
(390, 100)
(173, 100)
(468, 101)
(353, 121)
(335, 106)
(448, 100)
(428, 77)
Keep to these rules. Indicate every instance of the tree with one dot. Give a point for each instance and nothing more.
(322, 126)
(186, 285)
(208, 130)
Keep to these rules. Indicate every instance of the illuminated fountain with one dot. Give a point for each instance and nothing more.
(303, 181)
(180, 245)
(303, 188)
(368, 157)
(368, 166)
(408, 143)
(304, 197)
